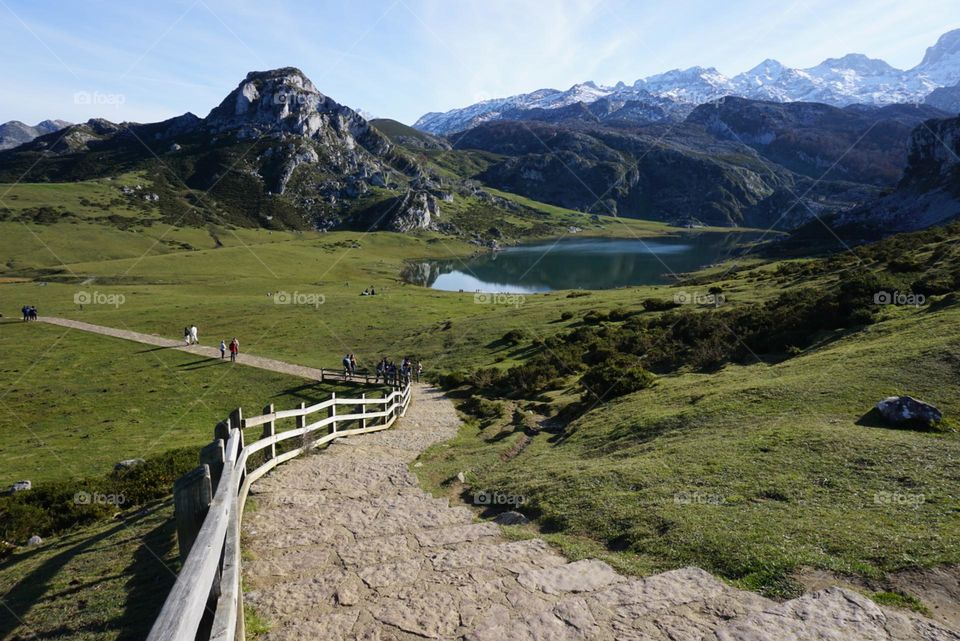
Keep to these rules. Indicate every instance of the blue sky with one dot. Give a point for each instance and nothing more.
(144, 61)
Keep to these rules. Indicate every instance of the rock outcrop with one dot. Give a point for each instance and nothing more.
(418, 209)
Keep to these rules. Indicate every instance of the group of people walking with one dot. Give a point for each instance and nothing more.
(391, 374)
(29, 312)
(233, 347)
(387, 371)
(191, 337)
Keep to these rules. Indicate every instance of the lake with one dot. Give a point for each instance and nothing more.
(578, 263)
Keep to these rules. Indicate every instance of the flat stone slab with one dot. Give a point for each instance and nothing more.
(582, 576)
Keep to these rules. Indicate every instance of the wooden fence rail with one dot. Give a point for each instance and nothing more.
(206, 601)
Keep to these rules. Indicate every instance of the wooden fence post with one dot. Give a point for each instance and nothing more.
(222, 431)
(236, 422)
(302, 420)
(333, 412)
(212, 456)
(269, 429)
(192, 494)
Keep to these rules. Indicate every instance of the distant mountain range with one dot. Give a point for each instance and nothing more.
(278, 153)
(852, 79)
(16, 133)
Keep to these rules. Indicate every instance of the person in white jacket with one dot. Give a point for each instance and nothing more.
(193, 335)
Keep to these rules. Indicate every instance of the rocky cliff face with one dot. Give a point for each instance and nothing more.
(929, 192)
(861, 144)
(416, 210)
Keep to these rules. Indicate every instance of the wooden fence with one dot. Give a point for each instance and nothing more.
(206, 601)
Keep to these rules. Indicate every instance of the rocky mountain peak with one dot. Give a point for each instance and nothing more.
(284, 101)
(947, 45)
(768, 67)
(856, 62)
(15, 133)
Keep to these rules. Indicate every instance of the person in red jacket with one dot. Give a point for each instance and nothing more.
(234, 350)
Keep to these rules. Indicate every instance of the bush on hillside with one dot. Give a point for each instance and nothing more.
(657, 305)
(515, 337)
(483, 408)
(50, 508)
(616, 376)
(595, 317)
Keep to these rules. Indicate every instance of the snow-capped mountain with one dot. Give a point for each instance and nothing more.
(853, 78)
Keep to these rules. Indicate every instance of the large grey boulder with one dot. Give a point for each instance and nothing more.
(908, 411)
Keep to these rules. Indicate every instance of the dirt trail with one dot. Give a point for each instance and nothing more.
(343, 544)
(200, 350)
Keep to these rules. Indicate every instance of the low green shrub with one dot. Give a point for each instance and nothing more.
(483, 408)
(657, 305)
(55, 507)
(515, 337)
(613, 377)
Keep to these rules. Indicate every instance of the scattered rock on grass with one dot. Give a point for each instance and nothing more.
(34, 540)
(511, 518)
(128, 463)
(908, 411)
(20, 486)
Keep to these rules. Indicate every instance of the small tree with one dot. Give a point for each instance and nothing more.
(717, 292)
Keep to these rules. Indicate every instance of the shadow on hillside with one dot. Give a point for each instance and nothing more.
(202, 363)
(36, 586)
(873, 418)
(156, 349)
(150, 581)
(311, 393)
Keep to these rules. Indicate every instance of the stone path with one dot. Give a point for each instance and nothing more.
(343, 544)
(200, 350)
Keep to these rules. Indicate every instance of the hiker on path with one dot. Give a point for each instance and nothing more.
(186, 335)
(26, 313)
(223, 350)
(419, 370)
(381, 370)
(346, 365)
(353, 363)
(234, 349)
(193, 335)
(32, 313)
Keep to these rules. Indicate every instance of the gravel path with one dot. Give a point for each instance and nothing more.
(200, 350)
(343, 544)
